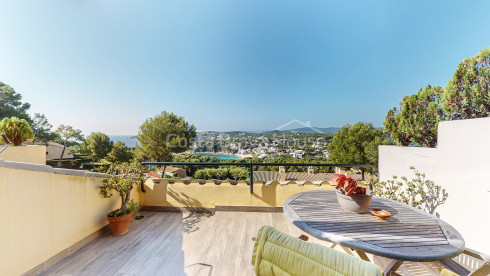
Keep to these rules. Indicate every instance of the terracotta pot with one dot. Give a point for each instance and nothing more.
(119, 225)
(355, 203)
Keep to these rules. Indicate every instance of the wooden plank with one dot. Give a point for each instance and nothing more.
(409, 234)
(177, 243)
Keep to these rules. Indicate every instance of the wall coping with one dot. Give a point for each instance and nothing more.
(406, 147)
(233, 183)
(48, 169)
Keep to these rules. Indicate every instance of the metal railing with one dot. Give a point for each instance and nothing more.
(251, 165)
(6, 140)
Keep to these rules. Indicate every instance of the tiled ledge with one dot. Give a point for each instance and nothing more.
(240, 182)
(47, 169)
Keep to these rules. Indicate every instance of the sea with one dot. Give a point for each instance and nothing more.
(220, 156)
(129, 140)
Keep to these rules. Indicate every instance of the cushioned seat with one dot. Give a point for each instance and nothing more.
(276, 253)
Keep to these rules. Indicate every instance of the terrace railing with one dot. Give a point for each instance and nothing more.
(5, 140)
(252, 165)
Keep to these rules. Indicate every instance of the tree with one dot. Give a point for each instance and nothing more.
(392, 124)
(11, 104)
(201, 174)
(97, 145)
(123, 180)
(417, 119)
(17, 130)
(467, 94)
(119, 154)
(238, 173)
(66, 133)
(356, 144)
(162, 135)
(42, 129)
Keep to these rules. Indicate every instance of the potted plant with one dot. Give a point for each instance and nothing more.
(125, 176)
(351, 197)
(17, 130)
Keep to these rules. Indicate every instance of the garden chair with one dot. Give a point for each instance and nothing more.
(276, 253)
(463, 262)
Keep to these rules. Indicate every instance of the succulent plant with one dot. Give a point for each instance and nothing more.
(347, 185)
(17, 130)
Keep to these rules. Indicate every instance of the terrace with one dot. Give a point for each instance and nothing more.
(56, 217)
(170, 243)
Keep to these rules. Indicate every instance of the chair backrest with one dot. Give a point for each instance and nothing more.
(276, 253)
(483, 270)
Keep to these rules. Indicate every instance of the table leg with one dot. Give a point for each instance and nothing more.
(392, 267)
(347, 250)
(363, 255)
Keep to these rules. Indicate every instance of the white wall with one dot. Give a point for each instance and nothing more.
(463, 169)
(395, 160)
(461, 165)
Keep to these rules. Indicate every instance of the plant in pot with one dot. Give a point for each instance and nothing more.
(17, 131)
(125, 176)
(351, 197)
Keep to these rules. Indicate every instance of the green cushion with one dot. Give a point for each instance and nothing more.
(276, 253)
(445, 272)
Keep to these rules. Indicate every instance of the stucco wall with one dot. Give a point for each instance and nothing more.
(463, 169)
(395, 160)
(210, 195)
(46, 210)
(35, 154)
(461, 165)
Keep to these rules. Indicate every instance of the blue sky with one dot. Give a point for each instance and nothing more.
(231, 65)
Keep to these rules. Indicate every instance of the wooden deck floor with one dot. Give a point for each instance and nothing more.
(189, 244)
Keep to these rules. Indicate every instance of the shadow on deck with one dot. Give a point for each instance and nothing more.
(165, 243)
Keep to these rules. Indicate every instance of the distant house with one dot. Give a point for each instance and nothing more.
(298, 154)
(53, 151)
(173, 171)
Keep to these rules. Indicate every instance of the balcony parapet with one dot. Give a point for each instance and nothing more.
(48, 169)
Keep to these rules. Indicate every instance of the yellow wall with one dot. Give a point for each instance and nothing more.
(44, 211)
(209, 195)
(35, 154)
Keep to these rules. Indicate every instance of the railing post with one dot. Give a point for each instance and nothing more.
(6, 141)
(362, 175)
(370, 179)
(251, 179)
(142, 186)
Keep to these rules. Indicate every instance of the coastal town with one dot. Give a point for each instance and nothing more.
(270, 144)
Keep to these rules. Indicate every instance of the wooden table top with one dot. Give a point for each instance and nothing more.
(409, 234)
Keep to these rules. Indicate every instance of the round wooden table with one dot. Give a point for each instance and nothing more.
(409, 234)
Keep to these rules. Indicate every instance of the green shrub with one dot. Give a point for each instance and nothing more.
(17, 130)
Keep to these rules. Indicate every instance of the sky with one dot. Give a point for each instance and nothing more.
(106, 66)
